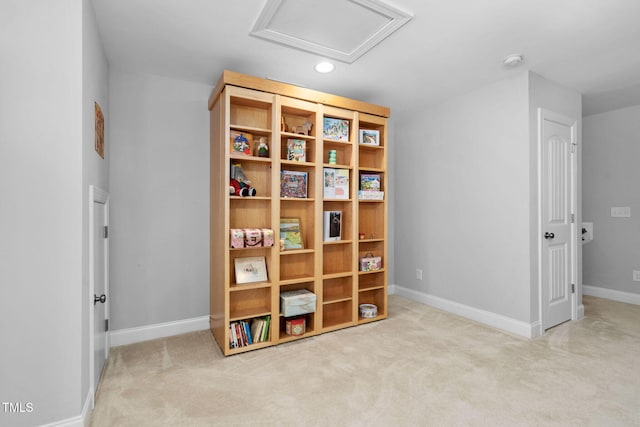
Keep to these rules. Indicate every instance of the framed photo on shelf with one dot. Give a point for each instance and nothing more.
(290, 234)
(369, 137)
(335, 129)
(250, 269)
(293, 184)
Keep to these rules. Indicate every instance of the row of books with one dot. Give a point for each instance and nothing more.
(245, 332)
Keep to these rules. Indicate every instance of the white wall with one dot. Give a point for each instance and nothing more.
(462, 200)
(159, 182)
(41, 209)
(95, 88)
(467, 200)
(611, 178)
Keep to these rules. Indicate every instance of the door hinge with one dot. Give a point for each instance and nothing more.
(106, 231)
(573, 218)
(573, 288)
(106, 324)
(573, 147)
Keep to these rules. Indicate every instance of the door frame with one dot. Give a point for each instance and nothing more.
(545, 114)
(97, 195)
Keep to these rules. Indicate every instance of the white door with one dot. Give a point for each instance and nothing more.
(558, 164)
(99, 291)
(98, 284)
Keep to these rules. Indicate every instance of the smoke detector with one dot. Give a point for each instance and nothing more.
(513, 61)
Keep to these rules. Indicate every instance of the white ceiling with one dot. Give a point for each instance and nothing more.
(450, 47)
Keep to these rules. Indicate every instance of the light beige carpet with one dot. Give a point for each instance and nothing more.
(420, 367)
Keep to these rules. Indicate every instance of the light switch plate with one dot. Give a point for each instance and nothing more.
(621, 212)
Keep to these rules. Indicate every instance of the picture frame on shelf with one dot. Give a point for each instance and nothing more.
(250, 270)
(369, 137)
(335, 129)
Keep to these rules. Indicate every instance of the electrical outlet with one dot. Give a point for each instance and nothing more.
(636, 275)
(418, 274)
(621, 212)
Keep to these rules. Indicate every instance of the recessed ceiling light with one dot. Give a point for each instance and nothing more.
(512, 61)
(324, 67)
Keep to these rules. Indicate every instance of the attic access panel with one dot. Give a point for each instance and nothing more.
(339, 29)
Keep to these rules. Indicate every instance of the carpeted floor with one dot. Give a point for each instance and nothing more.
(420, 367)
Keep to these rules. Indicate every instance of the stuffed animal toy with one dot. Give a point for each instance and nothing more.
(243, 189)
(239, 185)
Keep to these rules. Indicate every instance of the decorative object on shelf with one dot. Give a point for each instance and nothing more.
(332, 157)
(283, 125)
(369, 137)
(252, 237)
(236, 238)
(293, 184)
(291, 234)
(370, 195)
(297, 150)
(361, 236)
(336, 183)
(332, 222)
(240, 142)
(304, 129)
(295, 326)
(262, 149)
(368, 311)
(370, 262)
(239, 185)
(335, 129)
(250, 269)
(267, 237)
(295, 303)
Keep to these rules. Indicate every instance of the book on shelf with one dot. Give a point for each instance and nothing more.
(335, 129)
(293, 184)
(332, 222)
(246, 332)
(291, 233)
(336, 183)
(370, 182)
(297, 150)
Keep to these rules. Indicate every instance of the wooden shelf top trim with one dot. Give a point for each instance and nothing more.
(270, 86)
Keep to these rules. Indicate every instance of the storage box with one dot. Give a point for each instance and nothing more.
(267, 237)
(370, 263)
(252, 237)
(295, 303)
(295, 326)
(236, 238)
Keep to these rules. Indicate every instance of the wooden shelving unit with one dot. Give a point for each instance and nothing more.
(275, 111)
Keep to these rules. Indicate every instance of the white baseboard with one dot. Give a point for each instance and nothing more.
(159, 330)
(612, 294)
(507, 324)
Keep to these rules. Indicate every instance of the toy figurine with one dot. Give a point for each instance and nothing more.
(263, 148)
